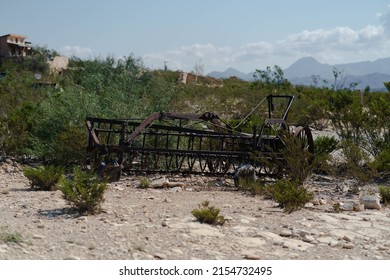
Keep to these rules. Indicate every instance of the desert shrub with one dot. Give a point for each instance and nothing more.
(84, 191)
(69, 146)
(289, 194)
(208, 214)
(252, 187)
(44, 177)
(297, 160)
(309, 108)
(144, 183)
(364, 129)
(323, 147)
(382, 162)
(15, 129)
(384, 192)
(357, 163)
(293, 161)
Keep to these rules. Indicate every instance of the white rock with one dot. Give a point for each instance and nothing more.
(159, 183)
(308, 238)
(370, 202)
(252, 257)
(286, 233)
(348, 246)
(346, 206)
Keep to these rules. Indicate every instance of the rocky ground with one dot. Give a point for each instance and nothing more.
(156, 223)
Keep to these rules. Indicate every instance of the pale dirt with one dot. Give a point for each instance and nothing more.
(158, 224)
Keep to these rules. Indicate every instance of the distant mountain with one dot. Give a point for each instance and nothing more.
(231, 72)
(307, 67)
(365, 73)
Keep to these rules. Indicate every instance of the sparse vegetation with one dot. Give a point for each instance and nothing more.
(44, 177)
(289, 194)
(357, 163)
(384, 192)
(253, 187)
(323, 147)
(47, 123)
(208, 214)
(7, 237)
(84, 191)
(144, 183)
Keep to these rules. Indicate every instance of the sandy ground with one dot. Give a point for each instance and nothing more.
(157, 223)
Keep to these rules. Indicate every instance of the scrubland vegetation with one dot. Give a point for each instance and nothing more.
(46, 123)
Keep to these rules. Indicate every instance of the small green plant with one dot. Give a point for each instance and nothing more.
(208, 214)
(384, 192)
(144, 183)
(289, 194)
(11, 237)
(44, 177)
(253, 187)
(85, 191)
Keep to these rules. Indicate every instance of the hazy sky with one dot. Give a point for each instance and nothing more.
(244, 34)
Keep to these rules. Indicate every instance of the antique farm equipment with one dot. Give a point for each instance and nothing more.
(191, 143)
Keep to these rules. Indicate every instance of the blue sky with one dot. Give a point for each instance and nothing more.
(216, 34)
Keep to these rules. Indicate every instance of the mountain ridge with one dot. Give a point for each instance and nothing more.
(366, 73)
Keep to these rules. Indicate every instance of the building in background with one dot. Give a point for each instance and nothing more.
(12, 45)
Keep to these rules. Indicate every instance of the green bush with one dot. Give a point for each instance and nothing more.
(298, 158)
(357, 164)
(144, 183)
(382, 162)
(69, 146)
(84, 191)
(323, 147)
(44, 177)
(208, 214)
(384, 192)
(253, 187)
(289, 194)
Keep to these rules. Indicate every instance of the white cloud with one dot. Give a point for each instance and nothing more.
(333, 45)
(77, 51)
(338, 37)
(197, 50)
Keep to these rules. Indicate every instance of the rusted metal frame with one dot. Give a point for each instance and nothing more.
(91, 133)
(198, 135)
(304, 131)
(211, 117)
(109, 134)
(113, 121)
(241, 144)
(271, 106)
(186, 131)
(127, 149)
(203, 158)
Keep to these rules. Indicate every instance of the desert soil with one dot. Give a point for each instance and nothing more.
(156, 223)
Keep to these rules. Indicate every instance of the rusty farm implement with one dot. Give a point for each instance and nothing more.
(192, 143)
